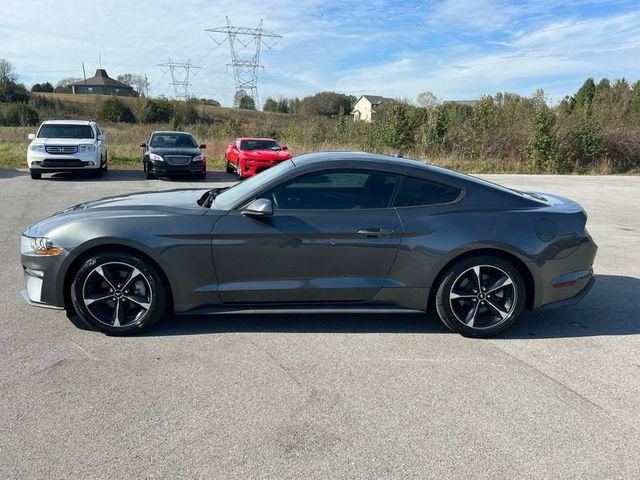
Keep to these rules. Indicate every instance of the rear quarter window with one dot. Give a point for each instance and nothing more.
(417, 192)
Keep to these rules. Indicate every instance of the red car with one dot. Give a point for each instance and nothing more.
(249, 156)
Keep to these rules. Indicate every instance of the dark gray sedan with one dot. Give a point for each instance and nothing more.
(322, 232)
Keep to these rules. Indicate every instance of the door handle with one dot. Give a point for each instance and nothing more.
(375, 232)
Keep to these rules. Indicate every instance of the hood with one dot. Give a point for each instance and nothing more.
(135, 205)
(267, 154)
(180, 198)
(191, 151)
(63, 141)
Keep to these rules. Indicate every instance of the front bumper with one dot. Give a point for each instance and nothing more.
(43, 287)
(253, 167)
(164, 168)
(45, 162)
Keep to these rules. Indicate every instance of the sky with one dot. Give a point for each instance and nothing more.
(456, 49)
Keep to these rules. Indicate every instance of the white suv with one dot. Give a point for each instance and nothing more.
(67, 145)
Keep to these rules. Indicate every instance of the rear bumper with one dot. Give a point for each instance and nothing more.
(567, 277)
(572, 300)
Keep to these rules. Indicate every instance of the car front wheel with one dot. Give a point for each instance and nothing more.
(480, 296)
(119, 294)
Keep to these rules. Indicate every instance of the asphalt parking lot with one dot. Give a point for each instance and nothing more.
(324, 396)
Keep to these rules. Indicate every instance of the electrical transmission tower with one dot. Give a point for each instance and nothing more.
(180, 73)
(245, 44)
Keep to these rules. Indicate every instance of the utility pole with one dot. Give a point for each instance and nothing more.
(245, 44)
(180, 73)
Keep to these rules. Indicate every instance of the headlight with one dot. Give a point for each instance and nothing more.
(153, 156)
(39, 246)
(86, 148)
(36, 148)
(198, 158)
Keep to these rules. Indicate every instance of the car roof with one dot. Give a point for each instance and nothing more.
(69, 122)
(353, 158)
(255, 138)
(170, 131)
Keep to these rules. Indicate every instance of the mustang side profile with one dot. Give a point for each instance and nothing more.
(323, 232)
(249, 156)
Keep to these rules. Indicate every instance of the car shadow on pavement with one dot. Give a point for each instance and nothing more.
(119, 175)
(612, 307)
(12, 172)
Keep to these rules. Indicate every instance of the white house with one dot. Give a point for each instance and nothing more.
(365, 108)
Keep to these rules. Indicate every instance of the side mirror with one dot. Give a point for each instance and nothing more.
(101, 137)
(233, 146)
(143, 145)
(31, 136)
(203, 146)
(260, 207)
(285, 148)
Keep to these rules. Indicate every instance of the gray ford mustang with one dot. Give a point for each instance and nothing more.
(323, 232)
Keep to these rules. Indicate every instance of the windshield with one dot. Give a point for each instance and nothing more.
(229, 198)
(49, 130)
(259, 145)
(172, 140)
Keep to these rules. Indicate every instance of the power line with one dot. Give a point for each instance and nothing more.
(180, 73)
(245, 44)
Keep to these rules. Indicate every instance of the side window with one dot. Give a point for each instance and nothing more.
(414, 192)
(341, 190)
(98, 131)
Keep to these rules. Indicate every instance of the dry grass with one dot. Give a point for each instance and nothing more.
(124, 152)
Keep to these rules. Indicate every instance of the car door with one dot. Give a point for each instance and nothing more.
(332, 238)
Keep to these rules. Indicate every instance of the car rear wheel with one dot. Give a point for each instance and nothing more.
(480, 296)
(119, 294)
(35, 175)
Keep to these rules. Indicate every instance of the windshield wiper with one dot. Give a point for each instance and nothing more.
(206, 200)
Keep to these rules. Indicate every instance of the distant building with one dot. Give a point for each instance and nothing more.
(102, 84)
(365, 108)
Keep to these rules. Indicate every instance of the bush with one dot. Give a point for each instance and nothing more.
(159, 110)
(114, 110)
(21, 115)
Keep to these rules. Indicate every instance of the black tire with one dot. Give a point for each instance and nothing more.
(142, 299)
(105, 167)
(35, 175)
(201, 175)
(227, 167)
(150, 175)
(97, 173)
(472, 311)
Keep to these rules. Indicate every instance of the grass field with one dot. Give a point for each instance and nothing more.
(124, 152)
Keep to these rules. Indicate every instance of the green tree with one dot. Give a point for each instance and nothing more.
(157, 110)
(114, 110)
(42, 87)
(541, 148)
(270, 105)
(584, 96)
(21, 115)
(329, 104)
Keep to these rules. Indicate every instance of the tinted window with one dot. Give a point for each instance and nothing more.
(413, 192)
(170, 140)
(335, 190)
(56, 130)
(259, 145)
